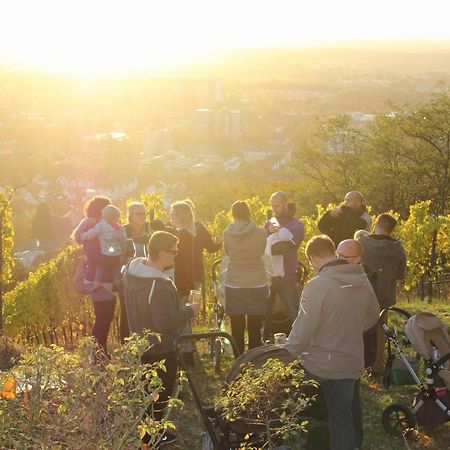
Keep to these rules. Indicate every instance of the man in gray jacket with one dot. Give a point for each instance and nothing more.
(152, 303)
(336, 307)
(386, 256)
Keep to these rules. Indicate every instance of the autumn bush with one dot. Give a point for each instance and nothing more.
(80, 400)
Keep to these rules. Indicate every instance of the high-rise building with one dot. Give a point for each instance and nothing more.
(209, 124)
(191, 94)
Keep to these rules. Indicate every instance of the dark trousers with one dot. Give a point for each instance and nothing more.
(287, 290)
(339, 396)
(253, 325)
(168, 378)
(357, 416)
(104, 314)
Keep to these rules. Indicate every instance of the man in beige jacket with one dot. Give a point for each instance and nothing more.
(336, 307)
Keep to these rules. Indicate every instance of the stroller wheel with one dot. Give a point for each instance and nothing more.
(217, 354)
(398, 420)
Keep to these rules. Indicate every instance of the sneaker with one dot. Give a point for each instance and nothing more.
(167, 438)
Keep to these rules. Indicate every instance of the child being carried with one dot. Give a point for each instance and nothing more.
(113, 242)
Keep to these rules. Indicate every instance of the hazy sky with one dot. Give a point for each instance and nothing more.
(100, 36)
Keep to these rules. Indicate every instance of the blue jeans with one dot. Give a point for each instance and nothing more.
(287, 290)
(339, 398)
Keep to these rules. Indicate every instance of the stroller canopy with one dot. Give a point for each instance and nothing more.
(425, 330)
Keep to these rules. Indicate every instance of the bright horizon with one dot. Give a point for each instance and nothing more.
(100, 37)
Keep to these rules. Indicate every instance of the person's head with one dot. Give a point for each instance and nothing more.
(353, 199)
(385, 224)
(279, 203)
(190, 203)
(182, 216)
(111, 214)
(350, 250)
(360, 233)
(137, 214)
(241, 211)
(319, 251)
(162, 249)
(93, 207)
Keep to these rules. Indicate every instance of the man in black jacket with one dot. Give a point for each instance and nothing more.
(341, 223)
(152, 303)
(386, 255)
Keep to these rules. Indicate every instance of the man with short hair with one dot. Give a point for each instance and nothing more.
(342, 222)
(336, 307)
(152, 303)
(387, 257)
(285, 234)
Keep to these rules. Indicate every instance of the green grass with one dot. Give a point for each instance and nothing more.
(375, 397)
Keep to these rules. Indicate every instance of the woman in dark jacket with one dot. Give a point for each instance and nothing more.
(182, 218)
(246, 281)
(203, 241)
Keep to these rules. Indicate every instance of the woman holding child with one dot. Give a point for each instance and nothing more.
(103, 299)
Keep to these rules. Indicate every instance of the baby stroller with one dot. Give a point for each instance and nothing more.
(225, 435)
(431, 405)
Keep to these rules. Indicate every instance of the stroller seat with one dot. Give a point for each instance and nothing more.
(429, 337)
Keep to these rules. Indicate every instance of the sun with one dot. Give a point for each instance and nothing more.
(108, 37)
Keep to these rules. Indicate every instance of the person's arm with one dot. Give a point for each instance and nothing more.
(372, 311)
(165, 320)
(206, 239)
(184, 263)
(123, 240)
(283, 247)
(76, 234)
(326, 223)
(226, 247)
(297, 229)
(401, 269)
(305, 325)
(92, 232)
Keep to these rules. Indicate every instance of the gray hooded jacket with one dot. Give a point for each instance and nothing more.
(152, 303)
(245, 244)
(336, 307)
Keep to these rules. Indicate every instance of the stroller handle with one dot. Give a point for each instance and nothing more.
(395, 309)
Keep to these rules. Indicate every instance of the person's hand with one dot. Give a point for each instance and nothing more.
(89, 222)
(273, 228)
(336, 212)
(195, 307)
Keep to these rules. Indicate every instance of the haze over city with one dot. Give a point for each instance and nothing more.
(104, 38)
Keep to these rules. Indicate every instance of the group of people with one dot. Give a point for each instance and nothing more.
(334, 320)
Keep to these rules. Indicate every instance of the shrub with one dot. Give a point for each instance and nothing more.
(81, 400)
(273, 399)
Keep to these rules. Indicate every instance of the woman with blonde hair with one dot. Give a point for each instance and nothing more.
(182, 218)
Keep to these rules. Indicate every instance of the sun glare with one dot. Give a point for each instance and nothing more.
(109, 37)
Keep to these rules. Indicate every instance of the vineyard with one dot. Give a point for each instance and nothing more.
(44, 309)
